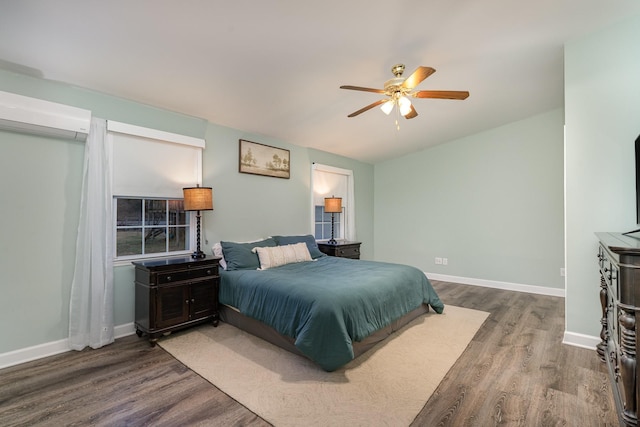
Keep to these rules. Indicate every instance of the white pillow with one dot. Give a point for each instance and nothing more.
(280, 255)
(217, 251)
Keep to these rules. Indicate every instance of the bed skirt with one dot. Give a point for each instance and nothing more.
(255, 327)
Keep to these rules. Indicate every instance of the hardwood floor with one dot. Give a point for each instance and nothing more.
(514, 372)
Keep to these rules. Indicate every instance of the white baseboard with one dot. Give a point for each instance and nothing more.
(580, 340)
(570, 338)
(518, 287)
(39, 351)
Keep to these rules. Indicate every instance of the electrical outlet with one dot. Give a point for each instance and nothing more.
(562, 272)
(438, 260)
(445, 261)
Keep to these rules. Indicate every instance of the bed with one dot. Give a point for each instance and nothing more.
(327, 309)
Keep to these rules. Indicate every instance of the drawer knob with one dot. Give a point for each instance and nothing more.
(168, 278)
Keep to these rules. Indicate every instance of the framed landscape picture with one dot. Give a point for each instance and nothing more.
(260, 159)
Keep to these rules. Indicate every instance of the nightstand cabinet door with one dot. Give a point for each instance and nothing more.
(341, 249)
(202, 294)
(175, 293)
(171, 305)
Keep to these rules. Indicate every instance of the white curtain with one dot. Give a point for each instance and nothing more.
(91, 305)
(329, 181)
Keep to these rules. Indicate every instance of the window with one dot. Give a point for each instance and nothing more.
(323, 224)
(150, 227)
(149, 170)
(329, 181)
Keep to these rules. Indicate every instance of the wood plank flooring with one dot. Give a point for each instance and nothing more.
(515, 372)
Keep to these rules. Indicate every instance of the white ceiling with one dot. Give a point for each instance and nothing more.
(274, 67)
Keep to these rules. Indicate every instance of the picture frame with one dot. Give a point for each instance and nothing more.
(260, 159)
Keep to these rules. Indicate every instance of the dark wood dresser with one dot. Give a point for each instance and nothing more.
(341, 249)
(619, 261)
(175, 293)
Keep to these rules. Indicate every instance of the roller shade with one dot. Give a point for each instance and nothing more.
(151, 163)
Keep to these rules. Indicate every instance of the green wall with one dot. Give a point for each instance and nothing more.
(250, 206)
(491, 203)
(602, 103)
(40, 182)
(40, 187)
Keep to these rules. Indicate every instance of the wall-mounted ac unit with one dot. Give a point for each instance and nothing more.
(30, 115)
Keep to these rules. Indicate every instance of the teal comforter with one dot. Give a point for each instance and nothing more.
(328, 303)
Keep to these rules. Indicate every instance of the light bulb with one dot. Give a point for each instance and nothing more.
(387, 107)
(405, 105)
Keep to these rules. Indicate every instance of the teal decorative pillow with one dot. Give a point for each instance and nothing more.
(238, 256)
(308, 239)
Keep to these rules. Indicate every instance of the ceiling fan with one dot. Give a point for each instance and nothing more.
(399, 89)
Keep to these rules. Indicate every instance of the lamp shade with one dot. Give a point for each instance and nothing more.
(333, 204)
(198, 199)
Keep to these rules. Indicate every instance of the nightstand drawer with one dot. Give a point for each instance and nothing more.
(341, 249)
(178, 276)
(348, 252)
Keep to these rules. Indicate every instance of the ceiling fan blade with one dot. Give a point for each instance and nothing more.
(364, 89)
(418, 75)
(368, 107)
(413, 113)
(442, 94)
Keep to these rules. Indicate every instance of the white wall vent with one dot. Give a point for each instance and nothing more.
(30, 115)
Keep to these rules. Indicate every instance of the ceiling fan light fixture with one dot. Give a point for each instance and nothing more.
(387, 107)
(405, 105)
(398, 88)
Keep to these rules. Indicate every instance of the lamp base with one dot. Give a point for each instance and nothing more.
(332, 241)
(198, 255)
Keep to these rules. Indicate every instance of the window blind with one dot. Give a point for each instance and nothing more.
(152, 163)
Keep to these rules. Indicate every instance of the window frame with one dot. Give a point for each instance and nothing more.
(347, 230)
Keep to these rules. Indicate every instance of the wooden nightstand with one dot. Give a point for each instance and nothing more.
(175, 293)
(341, 249)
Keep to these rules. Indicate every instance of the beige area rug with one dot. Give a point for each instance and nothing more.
(387, 386)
